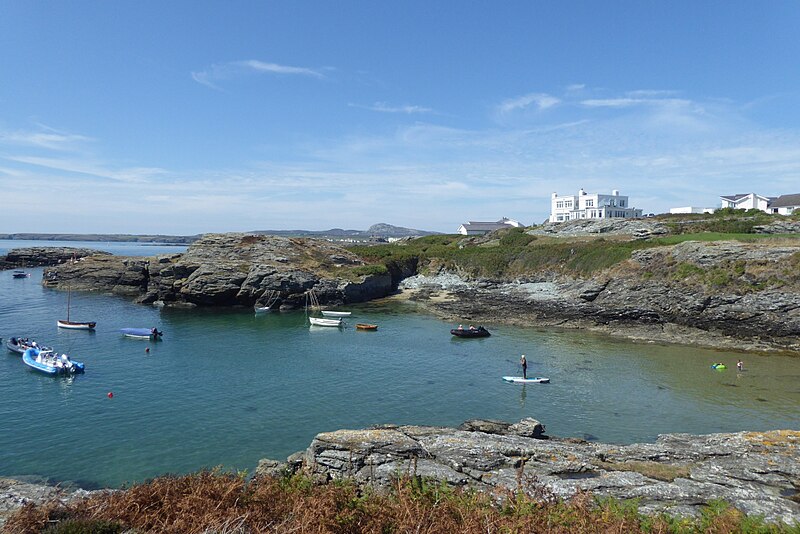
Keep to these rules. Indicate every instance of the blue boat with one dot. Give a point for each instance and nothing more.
(50, 363)
(142, 333)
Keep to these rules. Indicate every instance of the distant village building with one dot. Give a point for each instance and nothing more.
(692, 209)
(591, 206)
(481, 228)
(782, 205)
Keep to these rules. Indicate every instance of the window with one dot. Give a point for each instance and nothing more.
(568, 204)
(560, 204)
(621, 203)
(589, 203)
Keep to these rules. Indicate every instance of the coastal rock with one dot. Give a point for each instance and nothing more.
(230, 270)
(638, 228)
(14, 494)
(757, 472)
(45, 256)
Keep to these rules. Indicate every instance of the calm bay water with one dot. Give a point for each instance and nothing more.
(229, 387)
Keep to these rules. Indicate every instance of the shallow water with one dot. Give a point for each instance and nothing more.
(229, 387)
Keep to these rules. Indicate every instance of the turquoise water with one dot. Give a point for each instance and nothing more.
(226, 388)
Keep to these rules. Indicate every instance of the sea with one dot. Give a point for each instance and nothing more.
(226, 387)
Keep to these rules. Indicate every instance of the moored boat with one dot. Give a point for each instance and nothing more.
(50, 363)
(142, 333)
(470, 332)
(20, 274)
(321, 321)
(21, 344)
(331, 313)
(75, 325)
(365, 326)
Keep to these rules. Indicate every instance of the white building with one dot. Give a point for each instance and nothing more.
(591, 206)
(745, 201)
(481, 228)
(692, 209)
(784, 204)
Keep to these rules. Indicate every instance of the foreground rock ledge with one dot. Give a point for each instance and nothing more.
(757, 472)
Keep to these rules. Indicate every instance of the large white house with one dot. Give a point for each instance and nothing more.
(591, 206)
(745, 201)
(481, 228)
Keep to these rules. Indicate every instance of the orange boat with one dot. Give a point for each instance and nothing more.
(364, 326)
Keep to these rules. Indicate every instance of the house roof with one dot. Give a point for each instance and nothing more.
(785, 201)
(736, 197)
(488, 226)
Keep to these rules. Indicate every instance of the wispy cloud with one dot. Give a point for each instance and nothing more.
(630, 102)
(49, 139)
(540, 100)
(82, 166)
(383, 107)
(218, 72)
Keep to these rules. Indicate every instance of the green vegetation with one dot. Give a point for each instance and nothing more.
(219, 502)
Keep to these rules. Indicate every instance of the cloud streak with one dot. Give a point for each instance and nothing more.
(383, 107)
(220, 72)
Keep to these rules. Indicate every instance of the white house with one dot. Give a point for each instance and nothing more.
(784, 204)
(591, 206)
(745, 201)
(481, 228)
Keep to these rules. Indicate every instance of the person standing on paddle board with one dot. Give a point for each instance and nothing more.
(524, 363)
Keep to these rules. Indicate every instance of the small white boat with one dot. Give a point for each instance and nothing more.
(76, 326)
(530, 380)
(142, 333)
(321, 321)
(331, 313)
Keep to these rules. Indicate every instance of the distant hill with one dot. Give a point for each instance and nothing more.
(110, 238)
(376, 230)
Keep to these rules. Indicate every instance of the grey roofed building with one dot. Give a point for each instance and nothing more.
(785, 201)
(480, 228)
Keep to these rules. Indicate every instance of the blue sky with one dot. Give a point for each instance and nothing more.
(187, 117)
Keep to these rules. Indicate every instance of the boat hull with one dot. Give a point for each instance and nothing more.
(465, 333)
(76, 326)
(29, 359)
(330, 313)
(140, 333)
(316, 321)
(363, 326)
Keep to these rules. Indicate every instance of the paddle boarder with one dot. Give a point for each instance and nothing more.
(524, 363)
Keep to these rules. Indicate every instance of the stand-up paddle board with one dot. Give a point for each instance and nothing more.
(531, 380)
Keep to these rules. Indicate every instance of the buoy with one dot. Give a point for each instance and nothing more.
(110, 394)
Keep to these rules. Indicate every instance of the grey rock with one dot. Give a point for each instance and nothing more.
(757, 472)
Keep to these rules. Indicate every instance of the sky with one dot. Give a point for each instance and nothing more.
(186, 117)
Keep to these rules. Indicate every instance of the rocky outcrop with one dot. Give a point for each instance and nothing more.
(757, 472)
(783, 226)
(230, 270)
(718, 294)
(637, 228)
(14, 494)
(44, 256)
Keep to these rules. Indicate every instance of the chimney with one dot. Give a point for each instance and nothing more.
(615, 192)
(581, 192)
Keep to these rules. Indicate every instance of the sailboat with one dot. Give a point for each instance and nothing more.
(271, 301)
(72, 324)
(319, 321)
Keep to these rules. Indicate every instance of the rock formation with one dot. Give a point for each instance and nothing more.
(230, 270)
(44, 256)
(757, 472)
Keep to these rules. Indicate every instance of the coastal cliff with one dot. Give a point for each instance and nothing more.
(231, 270)
(628, 278)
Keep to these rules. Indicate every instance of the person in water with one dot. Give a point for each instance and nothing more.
(740, 365)
(524, 363)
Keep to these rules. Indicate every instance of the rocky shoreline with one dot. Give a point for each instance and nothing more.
(756, 472)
